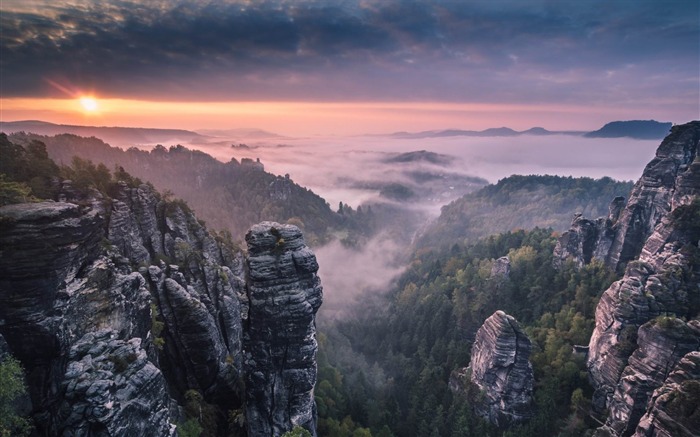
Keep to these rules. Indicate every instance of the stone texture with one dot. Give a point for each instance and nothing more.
(63, 280)
(112, 389)
(671, 179)
(674, 408)
(663, 281)
(280, 346)
(587, 240)
(662, 343)
(663, 185)
(630, 354)
(501, 370)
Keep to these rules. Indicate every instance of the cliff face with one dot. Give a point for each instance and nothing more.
(669, 180)
(664, 183)
(280, 340)
(637, 339)
(662, 343)
(587, 239)
(118, 307)
(501, 369)
(674, 408)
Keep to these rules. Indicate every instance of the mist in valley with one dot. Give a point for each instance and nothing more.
(352, 170)
(334, 167)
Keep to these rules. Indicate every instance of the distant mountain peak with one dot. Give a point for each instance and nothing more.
(638, 129)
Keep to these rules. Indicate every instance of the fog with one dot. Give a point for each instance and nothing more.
(349, 275)
(352, 169)
(333, 166)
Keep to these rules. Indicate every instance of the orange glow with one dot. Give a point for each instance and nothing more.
(317, 118)
(89, 104)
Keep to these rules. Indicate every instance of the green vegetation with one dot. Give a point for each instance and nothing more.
(201, 417)
(157, 328)
(231, 196)
(387, 369)
(522, 202)
(297, 432)
(11, 388)
(26, 173)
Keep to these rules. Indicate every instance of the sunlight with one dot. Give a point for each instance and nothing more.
(89, 104)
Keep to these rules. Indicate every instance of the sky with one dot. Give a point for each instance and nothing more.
(303, 67)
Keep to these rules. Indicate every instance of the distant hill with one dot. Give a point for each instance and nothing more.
(421, 156)
(491, 132)
(246, 133)
(115, 136)
(233, 195)
(638, 129)
(521, 202)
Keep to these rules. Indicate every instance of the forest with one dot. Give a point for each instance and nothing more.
(384, 370)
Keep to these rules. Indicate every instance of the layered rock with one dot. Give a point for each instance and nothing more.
(662, 343)
(663, 281)
(630, 353)
(70, 273)
(501, 370)
(674, 408)
(112, 389)
(284, 293)
(587, 240)
(671, 179)
(663, 185)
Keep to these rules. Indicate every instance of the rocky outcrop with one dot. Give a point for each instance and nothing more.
(500, 268)
(631, 352)
(671, 179)
(664, 183)
(112, 389)
(118, 308)
(662, 343)
(674, 409)
(501, 370)
(587, 240)
(284, 293)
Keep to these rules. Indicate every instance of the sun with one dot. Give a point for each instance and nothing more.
(89, 104)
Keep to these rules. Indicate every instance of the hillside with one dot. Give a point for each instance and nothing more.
(117, 136)
(232, 196)
(607, 348)
(128, 317)
(521, 202)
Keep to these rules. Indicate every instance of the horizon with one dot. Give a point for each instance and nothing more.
(349, 67)
(225, 131)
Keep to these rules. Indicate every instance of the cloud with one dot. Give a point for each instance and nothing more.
(500, 51)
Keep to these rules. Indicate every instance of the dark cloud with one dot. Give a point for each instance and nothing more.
(499, 51)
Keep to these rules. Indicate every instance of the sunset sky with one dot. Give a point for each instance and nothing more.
(307, 67)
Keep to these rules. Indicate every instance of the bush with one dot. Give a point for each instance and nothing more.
(12, 387)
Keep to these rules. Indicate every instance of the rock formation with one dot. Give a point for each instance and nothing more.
(501, 370)
(118, 307)
(662, 343)
(674, 407)
(669, 180)
(637, 339)
(663, 186)
(587, 240)
(500, 268)
(280, 347)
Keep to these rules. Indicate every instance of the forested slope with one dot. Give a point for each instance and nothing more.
(521, 202)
